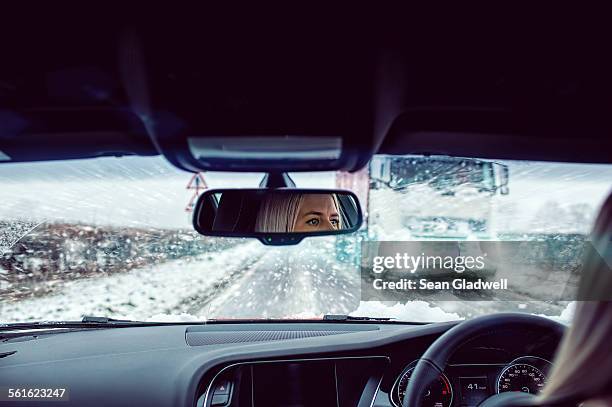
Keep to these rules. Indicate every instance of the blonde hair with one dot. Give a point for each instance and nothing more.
(583, 364)
(278, 212)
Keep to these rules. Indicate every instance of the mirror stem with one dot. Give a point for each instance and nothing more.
(276, 180)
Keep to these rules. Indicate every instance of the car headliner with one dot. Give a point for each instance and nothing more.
(96, 82)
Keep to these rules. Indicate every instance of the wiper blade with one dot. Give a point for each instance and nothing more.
(106, 320)
(342, 317)
(86, 322)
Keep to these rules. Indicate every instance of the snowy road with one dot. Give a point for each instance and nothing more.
(246, 281)
(290, 283)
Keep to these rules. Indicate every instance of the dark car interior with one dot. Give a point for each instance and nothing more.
(202, 86)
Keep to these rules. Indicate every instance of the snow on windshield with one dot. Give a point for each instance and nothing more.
(111, 237)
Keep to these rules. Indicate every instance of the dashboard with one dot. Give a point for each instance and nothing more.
(273, 364)
(500, 361)
(348, 381)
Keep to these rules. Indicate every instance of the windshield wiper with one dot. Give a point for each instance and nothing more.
(342, 317)
(105, 320)
(86, 322)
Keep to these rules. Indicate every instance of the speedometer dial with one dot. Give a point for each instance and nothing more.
(439, 393)
(521, 377)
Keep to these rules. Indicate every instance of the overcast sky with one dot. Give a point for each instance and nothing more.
(148, 191)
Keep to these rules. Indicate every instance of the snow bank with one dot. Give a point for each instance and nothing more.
(182, 317)
(413, 311)
(421, 311)
(566, 316)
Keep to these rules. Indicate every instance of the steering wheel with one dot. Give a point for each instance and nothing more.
(433, 362)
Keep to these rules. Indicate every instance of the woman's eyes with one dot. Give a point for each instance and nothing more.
(316, 222)
(312, 222)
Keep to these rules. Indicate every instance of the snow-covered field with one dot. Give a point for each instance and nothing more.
(138, 294)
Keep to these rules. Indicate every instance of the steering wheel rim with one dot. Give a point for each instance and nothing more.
(433, 362)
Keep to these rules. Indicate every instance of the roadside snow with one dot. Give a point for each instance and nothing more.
(566, 316)
(182, 317)
(156, 291)
(421, 311)
(414, 311)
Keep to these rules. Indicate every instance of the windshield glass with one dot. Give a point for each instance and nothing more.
(113, 237)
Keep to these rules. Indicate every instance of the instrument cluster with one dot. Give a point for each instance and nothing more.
(470, 384)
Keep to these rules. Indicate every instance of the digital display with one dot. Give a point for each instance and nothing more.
(473, 390)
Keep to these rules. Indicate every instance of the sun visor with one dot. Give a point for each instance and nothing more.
(262, 153)
(62, 134)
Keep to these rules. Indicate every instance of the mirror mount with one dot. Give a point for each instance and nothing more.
(276, 180)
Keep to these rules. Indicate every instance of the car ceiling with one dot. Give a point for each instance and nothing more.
(93, 81)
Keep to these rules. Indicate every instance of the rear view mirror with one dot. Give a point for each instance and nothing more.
(277, 216)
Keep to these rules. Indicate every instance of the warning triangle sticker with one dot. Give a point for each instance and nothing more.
(197, 182)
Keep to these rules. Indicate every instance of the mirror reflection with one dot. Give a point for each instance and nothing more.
(298, 213)
(277, 211)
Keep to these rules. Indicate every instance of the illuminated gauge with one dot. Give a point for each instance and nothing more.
(439, 393)
(521, 377)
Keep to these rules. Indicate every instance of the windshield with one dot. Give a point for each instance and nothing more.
(113, 237)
